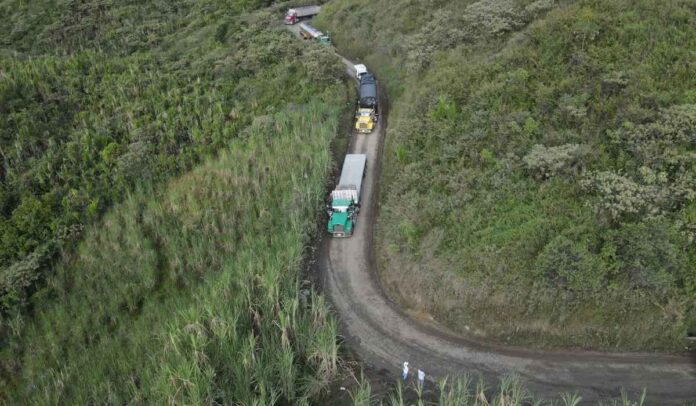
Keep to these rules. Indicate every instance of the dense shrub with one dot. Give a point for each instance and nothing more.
(571, 264)
(545, 162)
(457, 23)
(658, 161)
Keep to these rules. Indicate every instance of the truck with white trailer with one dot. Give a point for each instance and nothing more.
(294, 15)
(309, 32)
(345, 199)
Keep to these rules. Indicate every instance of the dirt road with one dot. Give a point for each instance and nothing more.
(384, 336)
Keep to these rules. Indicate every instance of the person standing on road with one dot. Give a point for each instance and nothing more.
(404, 374)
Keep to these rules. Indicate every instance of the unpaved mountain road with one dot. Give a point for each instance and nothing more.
(383, 336)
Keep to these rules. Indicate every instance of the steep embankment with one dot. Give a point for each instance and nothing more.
(539, 174)
(184, 149)
(97, 99)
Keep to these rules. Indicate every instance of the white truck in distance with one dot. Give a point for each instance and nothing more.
(360, 70)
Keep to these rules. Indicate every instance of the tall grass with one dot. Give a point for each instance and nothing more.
(189, 294)
(107, 96)
(186, 291)
(466, 391)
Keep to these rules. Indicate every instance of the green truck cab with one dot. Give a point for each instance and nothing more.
(341, 223)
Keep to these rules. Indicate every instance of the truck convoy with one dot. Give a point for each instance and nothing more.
(366, 115)
(294, 15)
(345, 199)
(309, 32)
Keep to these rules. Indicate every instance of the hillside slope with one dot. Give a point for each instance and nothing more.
(164, 164)
(557, 141)
(98, 98)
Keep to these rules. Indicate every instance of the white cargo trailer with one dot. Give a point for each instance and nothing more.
(296, 14)
(350, 183)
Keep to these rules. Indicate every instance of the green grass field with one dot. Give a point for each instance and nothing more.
(164, 164)
(189, 293)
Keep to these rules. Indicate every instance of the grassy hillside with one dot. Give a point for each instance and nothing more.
(558, 140)
(99, 97)
(163, 164)
(190, 293)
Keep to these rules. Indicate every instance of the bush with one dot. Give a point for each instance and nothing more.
(544, 162)
(660, 178)
(620, 197)
(571, 264)
(649, 254)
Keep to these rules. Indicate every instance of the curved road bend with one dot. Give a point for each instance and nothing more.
(384, 336)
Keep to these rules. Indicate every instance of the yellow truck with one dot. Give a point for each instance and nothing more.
(365, 120)
(366, 114)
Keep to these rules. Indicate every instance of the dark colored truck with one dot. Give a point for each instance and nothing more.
(368, 91)
(366, 114)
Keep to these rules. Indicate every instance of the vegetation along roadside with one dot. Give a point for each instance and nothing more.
(163, 165)
(558, 141)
